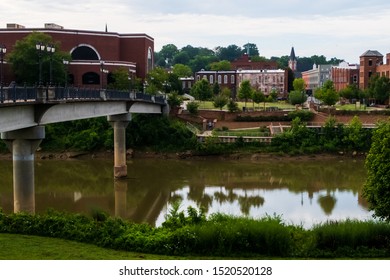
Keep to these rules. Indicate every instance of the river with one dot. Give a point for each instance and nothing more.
(303, 192)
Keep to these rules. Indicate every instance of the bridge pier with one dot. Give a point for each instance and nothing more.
(23, 143)
(119, 123)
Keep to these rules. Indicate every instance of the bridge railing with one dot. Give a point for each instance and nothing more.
(45, 94)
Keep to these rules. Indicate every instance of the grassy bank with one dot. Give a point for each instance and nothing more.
(218, 236)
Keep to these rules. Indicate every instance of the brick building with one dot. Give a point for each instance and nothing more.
(91, 52)
(245, 63)
(345, 74)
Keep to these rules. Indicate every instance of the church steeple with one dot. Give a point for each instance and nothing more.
(292, 62)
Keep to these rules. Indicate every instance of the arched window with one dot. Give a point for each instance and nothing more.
(225, 79)
(84, 52)
(91, 78)
(219, 79)
(211, 79)
(232, 79)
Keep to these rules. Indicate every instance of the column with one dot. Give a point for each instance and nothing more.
(23, 144)
(119, 123)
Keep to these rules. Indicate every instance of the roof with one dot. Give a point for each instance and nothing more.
(292, 54)
(372, 53)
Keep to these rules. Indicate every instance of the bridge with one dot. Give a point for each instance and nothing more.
(24, 112)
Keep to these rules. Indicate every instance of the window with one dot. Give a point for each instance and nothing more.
(219, 79)
(150, 60)
(370, 62)
(211, 79)
(91, 78)
(225, 79)
(84, 52)
(232, 79)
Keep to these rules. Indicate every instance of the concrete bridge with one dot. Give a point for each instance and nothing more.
(24, 112)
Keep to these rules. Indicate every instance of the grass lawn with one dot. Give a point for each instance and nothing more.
(281, 105)
(26, 247)
(254, 132)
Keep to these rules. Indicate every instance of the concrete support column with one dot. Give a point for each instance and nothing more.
(23, 144)
(119, 123)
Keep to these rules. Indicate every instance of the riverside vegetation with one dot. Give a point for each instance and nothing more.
(191, 233)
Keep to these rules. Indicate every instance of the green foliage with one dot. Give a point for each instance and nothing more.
(232, 106)
(377, 186)
(174, 100)
(201, 90)
(218, 235)
(120, 79)
(296, 97)
(302, 115)
(258, 96)
(245, 91)
(220, 101)
(24, 59)
(327, 93)
(85, 135)
(182, 70)
(192, 108)
(160, 133)
(223, 65)
(299, 85)
(379, 88)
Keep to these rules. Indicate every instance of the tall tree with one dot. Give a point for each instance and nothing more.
(229, 53)
(25, 60)
(168, 52)
(201, 90)
(377, 186)
(245, 91)
(379, 88)
(327, 93)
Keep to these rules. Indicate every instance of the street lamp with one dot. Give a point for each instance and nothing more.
(66, 63)
(102, 71)
(50, 49)
(3, 50)
(40, 48)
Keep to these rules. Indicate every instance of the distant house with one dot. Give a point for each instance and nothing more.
(345, 74)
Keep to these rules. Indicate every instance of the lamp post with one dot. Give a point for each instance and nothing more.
(3, 50)
(50, 49)
(66, 63)
(40, 48)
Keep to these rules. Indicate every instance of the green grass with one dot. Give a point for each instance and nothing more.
(254, 132)
(28, 247)
(205, 105)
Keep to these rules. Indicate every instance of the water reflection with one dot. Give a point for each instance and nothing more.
(303, 192)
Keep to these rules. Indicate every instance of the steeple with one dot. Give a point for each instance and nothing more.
(292, 62)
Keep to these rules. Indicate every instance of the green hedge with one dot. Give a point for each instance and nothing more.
(218, 235)
(303, 115)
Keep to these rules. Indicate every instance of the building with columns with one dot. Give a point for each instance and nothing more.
(91, 52)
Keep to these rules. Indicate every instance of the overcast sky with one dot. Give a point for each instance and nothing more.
(334, 28)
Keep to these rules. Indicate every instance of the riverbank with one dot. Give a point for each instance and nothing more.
(241, 156)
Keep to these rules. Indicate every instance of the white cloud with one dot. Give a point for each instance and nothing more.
(334, 28)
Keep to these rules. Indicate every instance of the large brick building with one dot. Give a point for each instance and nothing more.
(91, 52)
(371, 62)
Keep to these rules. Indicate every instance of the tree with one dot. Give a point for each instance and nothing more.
(24, 60)
(182, 70)
(192, 108)
(258, 96)
(377, 186)
(223, 65)
(327, 93)
(229, 53)
(220, 101)
(296, 97)
(245, 91)
(232, 106)
(121, 79)
(174, 100)
(201, 90)
(167, 53)
(251, 49)
(156, 79)
(299, 85)
(379, 88)
(216, 89)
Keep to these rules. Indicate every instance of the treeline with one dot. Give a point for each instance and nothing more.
(198, 58)
(162, 134)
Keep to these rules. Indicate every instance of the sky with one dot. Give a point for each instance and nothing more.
(344, 29)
